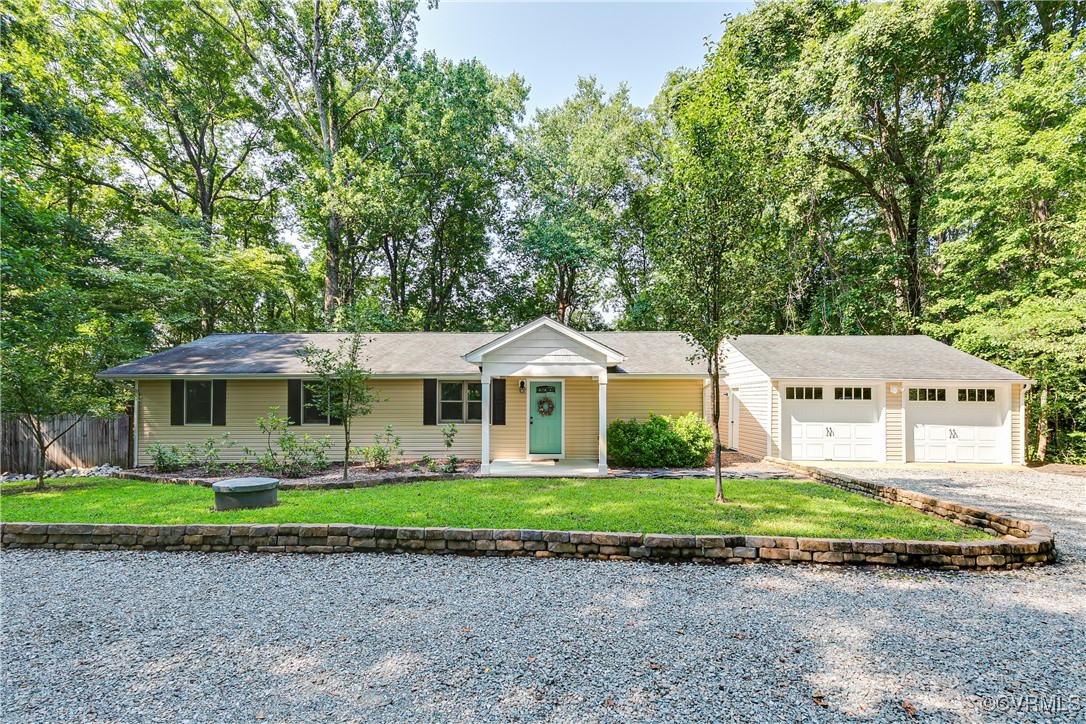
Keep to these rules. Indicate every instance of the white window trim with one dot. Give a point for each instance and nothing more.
(303, 421)
(463, 403)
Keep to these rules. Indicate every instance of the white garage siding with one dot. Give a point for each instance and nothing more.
(751, 390)
(958, 422)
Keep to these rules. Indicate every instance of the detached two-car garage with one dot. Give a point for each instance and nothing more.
(877, 399)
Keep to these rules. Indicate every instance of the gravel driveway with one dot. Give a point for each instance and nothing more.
(238, 637)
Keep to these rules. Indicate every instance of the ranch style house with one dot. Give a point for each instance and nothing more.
(545, 392)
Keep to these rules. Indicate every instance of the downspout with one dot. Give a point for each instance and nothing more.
(136, 428)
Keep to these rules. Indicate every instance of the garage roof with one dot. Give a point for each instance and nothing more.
(387, 354)
(915, 357)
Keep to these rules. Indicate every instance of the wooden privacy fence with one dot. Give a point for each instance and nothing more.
(91, 442)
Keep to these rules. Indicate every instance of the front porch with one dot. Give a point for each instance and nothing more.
(569, 468)
(552, 385)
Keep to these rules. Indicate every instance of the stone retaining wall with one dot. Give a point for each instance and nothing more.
(290, 538)
(991, 523)
(1020, 543)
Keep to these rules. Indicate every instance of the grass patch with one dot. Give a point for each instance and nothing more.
(754, 507)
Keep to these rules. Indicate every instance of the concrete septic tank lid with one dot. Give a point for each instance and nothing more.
(245, 485)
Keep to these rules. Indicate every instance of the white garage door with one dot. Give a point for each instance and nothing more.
(831, 423)
(956, 425)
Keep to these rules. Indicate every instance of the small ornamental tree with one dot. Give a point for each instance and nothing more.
(48, 372)
(341, 388)
(709, 246)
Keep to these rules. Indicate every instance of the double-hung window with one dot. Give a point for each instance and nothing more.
(199, 397)
(460, 402)
(312, 413)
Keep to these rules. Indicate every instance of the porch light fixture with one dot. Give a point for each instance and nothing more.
(894, 390)
(523, 387)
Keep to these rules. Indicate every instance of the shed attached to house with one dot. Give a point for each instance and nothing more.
(876, 398)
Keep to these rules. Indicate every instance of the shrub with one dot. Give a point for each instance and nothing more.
(448, 433)
(208, 457)
(450, 466)
(660, 441)
(379, 455)
(166, 459)
(287, 454)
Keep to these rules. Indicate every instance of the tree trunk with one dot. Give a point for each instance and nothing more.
(41, 461)
(714, 394)
(1042, 425)
(331, 265)
(346, 448)
(914, 292)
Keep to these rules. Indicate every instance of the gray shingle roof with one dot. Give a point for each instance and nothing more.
(875, 357)
(388, 353)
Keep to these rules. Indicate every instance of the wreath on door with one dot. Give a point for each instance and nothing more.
(545, 406)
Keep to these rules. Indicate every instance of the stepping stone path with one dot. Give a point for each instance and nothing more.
(665, 474)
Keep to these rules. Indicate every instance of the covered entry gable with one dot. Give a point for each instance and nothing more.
(547, 356)
(544, 347)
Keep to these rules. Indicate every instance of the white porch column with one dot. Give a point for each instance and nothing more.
(484, 457)
(603, 423)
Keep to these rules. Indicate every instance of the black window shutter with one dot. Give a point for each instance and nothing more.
(429, 402)
(177, 402)
(294, 401)
(497, 402)
(218, 402)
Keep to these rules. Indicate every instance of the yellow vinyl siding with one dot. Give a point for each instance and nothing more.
(635, 399)
(508, 441)
(580, 417)
(401, 406)
(1018, 456)
(895, 451)
(246, 400)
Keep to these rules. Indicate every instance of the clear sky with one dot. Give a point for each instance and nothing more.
(550, 43)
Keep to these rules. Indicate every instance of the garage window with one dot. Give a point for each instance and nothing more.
(852, 393)
(803, 393)
(927, 394)
(973, 394)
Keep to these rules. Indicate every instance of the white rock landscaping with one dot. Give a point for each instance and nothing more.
(93, 472)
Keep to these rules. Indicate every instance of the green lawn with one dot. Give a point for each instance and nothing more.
(756, 507)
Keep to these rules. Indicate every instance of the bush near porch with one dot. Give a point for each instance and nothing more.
(754, 507)
(660, 442)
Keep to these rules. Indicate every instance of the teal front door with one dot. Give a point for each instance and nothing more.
(545, 418)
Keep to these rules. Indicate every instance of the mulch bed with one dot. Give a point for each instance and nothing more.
(358, 476)
(1061, 469)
